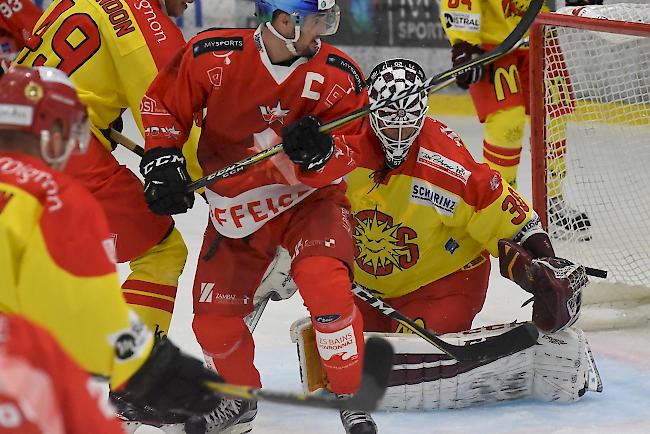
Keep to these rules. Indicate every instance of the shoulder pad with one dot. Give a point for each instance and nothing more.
(348, 66)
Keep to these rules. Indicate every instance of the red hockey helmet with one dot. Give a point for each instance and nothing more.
(42, 99)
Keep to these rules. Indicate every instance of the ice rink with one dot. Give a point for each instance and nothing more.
(622, 357)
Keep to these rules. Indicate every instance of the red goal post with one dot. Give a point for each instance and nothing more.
(590, 145)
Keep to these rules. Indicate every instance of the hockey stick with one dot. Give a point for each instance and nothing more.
(126, 142)
(377, 366)
(505, 344)
(490, 56)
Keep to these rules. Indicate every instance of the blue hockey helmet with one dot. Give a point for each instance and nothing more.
(305, 13)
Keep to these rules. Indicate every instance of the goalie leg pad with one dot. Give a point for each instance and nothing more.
(560, 369)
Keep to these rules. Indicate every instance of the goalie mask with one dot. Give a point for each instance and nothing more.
(40, 101)
(320, 16)
(398, 124)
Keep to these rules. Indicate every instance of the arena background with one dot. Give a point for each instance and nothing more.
(370, 31)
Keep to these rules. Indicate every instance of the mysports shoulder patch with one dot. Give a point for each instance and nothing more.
(215, 44)
(347, 66)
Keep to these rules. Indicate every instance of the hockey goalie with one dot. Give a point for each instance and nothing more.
(426, 218)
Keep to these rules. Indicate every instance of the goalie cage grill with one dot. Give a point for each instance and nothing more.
(590, 85)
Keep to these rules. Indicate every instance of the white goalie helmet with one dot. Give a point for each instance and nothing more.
(398, 124)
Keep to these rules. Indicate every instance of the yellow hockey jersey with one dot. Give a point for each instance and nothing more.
(54, 256)
(431, 216)
(481, 22)
(112, 50)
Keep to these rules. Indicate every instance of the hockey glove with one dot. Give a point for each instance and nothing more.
(165, 181)
(583, 2)
(555, 283)
(170, 381)
(305, 145)
(463, 52)
(117, 125)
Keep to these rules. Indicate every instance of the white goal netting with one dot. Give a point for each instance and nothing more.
(594, 138)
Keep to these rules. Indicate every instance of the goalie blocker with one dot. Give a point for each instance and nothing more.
(561, 368)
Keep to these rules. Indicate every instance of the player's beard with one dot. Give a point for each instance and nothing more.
(307, 50)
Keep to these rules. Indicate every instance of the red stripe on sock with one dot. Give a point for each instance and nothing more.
(153, 288)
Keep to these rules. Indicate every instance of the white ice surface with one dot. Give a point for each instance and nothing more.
(623, 357)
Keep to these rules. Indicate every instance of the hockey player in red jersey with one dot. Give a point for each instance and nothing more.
(57, 258)
(295, 200)
(42, 390)
(17, 19)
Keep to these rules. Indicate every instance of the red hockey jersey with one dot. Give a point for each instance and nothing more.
(17, 18)
(248, 101)
(42, 390)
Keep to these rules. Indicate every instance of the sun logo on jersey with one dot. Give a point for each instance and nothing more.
(382, 246)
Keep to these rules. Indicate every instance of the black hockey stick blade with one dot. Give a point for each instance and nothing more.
(492, 348)
(377, 366)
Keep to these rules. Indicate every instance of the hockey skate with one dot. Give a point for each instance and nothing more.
(133, 417)
(357, 422)
(232, 416)
(566, 222)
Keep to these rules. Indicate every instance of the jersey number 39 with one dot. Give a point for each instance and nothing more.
(75, 40)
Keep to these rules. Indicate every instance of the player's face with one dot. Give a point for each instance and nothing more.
(313, 27)
(175, 8)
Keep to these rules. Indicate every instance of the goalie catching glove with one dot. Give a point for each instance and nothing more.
(305, 145)
(171, 382)
(555, 283)
(165, 181)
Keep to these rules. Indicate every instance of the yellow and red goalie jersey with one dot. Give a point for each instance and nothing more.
(56, 271)
(432, 216)
(481, 22)
(111, 49)
(246, 116)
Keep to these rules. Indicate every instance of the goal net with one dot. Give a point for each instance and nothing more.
(590, 139)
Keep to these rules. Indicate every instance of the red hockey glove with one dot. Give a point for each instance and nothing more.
(165, 181)
(555, 283)
(305, 145)
(170, 381)
(462, 52)
(583, 2)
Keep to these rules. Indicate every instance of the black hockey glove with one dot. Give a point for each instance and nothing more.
(463, 52)
(583, 2)
(170, 381)
(165, 181)
(117, 125)
(305, 146)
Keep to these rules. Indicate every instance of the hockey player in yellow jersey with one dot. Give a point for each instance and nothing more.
(112, 50)
(427, 215)
(500, 91)
(56, 254)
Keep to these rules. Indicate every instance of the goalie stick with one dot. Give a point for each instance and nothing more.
(377, 366)
(504, 47)
(505, 344)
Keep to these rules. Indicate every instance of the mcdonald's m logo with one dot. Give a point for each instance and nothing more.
(509, 77)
